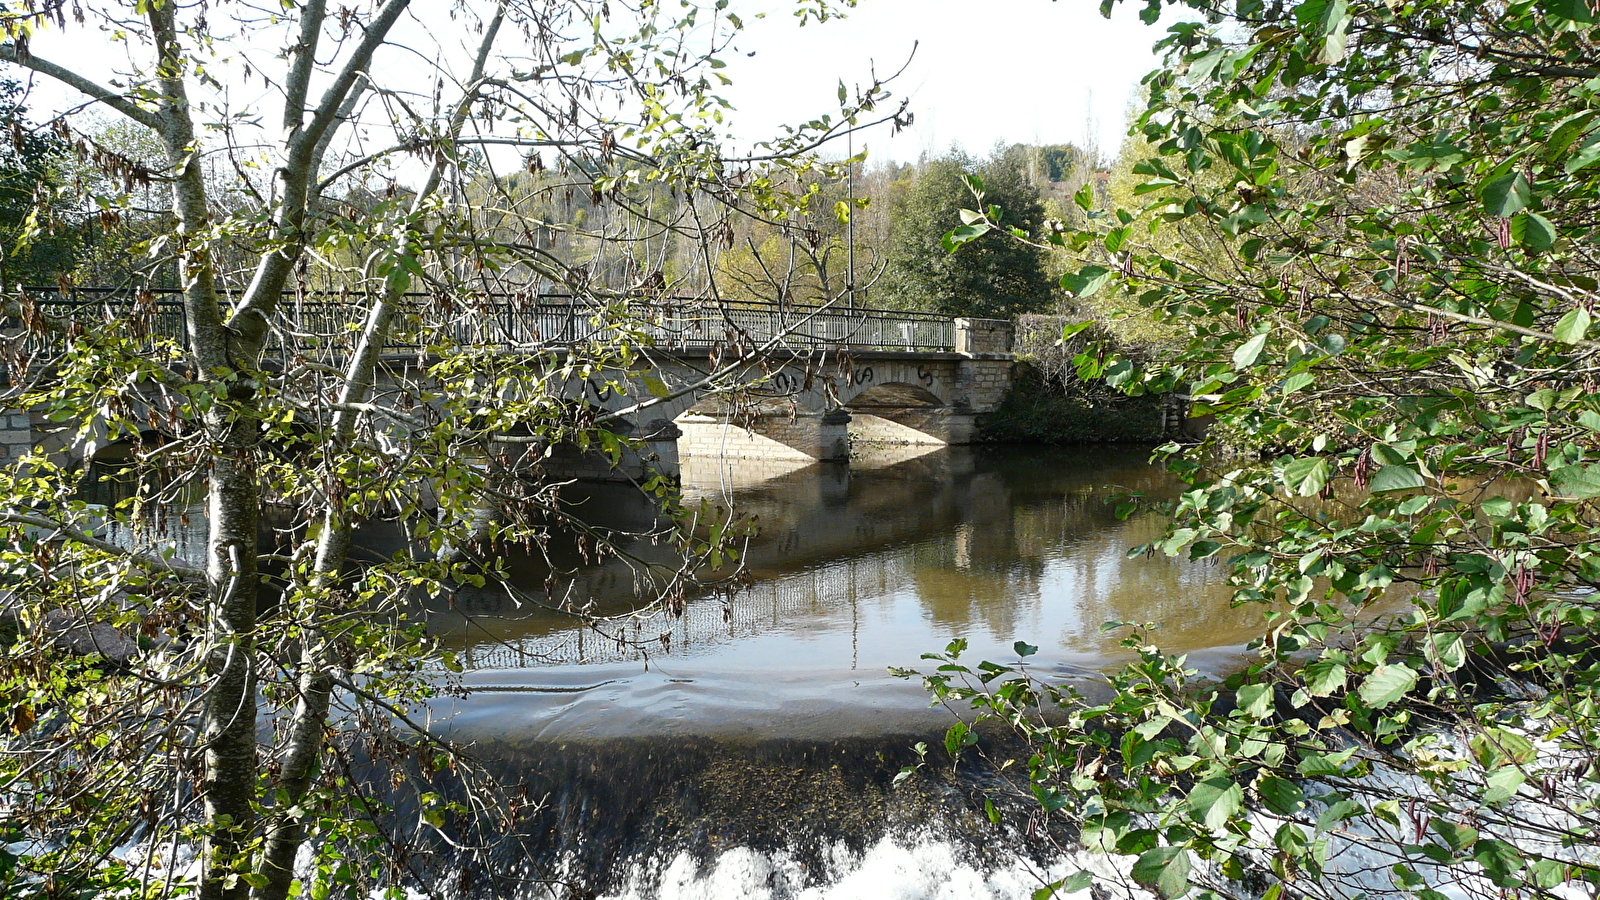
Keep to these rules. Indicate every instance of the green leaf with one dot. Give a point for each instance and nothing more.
(1548, 873)
(1501, 862)
(1534, 231)
(1164, 870)
(958, 738)
(1431, 155)
(1214, 801)
(1323, 677)
(1078, 881)
(1387, 684)
(1395, 478)
(1084, 197)
(1024, 649)
(1249, 352)
(1502, 784)
(1281, 795)
(1507, 195)
(1086, 281)
(1571, 10)
(1255, 700)
(1297, 381)
(1447, 650)
(1338, 812)
(1067, 331)
(956, 238)
(1576, 482)
(1495, 747)
(1456, 837)
(1330, 19)
(655, 386)
(1049, 798)
(1115, 238)
(1414, 505)
(1572, 326)
(1306, 476)
(1588, 154)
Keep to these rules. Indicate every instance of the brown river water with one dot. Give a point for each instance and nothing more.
(753, 752)
(749, 747)
(855, 568)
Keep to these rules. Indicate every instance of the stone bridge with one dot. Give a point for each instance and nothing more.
(793, 382)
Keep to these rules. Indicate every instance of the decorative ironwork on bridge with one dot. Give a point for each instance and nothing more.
(308, 321)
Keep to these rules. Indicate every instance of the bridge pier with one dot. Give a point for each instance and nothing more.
(658, 454)
(16, 434)
(661, 438)
(782, 435)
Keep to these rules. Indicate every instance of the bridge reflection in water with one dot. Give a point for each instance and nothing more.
(860, 568)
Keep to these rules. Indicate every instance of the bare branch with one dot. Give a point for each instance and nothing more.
(118, 102)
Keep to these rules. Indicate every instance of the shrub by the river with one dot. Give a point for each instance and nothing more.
(1048, 403)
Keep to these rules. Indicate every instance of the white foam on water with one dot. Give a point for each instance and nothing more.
(920, 868)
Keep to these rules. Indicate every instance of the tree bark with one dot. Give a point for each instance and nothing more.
(228, 713)
(287, 832)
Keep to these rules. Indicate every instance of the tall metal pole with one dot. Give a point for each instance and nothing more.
(850, 223)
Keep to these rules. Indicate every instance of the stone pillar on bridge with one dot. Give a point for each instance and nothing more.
(658, 454)
(980, 337)
(984, 376)
(777, 435)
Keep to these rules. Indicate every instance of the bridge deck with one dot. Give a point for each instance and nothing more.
(319, 322)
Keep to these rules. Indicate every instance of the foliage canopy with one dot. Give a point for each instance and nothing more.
(333, 364)
(991, 276)
(1396, 336)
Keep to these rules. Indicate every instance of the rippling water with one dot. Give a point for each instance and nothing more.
(855, 569)
(748, 747)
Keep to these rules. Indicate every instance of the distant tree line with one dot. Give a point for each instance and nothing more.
(77, 207)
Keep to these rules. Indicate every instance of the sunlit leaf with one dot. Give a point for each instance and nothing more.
(1387, 684)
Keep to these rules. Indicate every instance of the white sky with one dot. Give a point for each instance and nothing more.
(1030, 71)
(984, 71)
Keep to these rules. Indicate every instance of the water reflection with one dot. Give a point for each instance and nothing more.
(172, 521)
(861, 567)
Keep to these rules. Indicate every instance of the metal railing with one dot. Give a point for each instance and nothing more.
(323, 322)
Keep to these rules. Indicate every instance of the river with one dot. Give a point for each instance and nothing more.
(747, 747)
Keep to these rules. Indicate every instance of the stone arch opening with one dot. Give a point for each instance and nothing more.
(905, 413)
(895, 395)
(776, 429)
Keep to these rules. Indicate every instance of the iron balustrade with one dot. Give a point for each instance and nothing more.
(313, 322)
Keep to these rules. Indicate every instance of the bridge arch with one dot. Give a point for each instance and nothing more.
(896, 394)
(902, 413)
(872, 376)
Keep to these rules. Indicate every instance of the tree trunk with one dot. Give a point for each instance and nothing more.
(228, 716)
